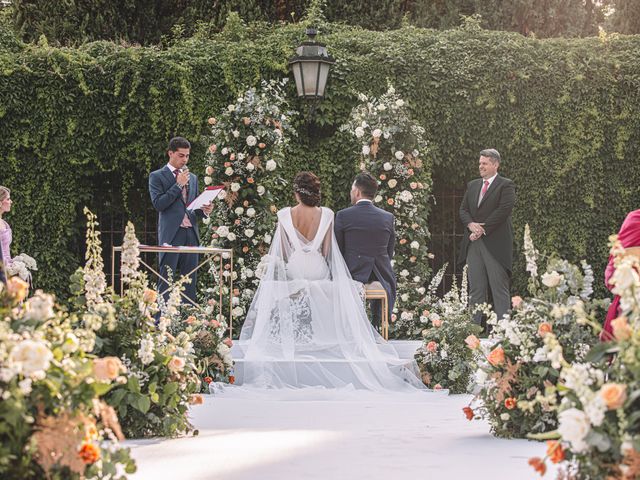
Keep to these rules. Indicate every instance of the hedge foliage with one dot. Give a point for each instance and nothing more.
(563, 113)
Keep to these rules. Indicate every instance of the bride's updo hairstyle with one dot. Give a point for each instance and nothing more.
(307, 186)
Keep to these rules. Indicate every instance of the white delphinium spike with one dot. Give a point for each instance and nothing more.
(530, 252)
(464, 288)
(130, 263)
(587, 282)
(95, 281)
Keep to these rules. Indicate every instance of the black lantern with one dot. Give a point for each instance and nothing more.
(310, 66)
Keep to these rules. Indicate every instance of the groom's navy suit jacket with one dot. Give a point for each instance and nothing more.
(366, 237)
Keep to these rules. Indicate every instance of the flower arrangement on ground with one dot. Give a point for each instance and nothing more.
(53, 420)
(22, 265)
(518, 369)
(246, 149)
(445, 360)
(395, 151)
(161, 368)
(598, 433)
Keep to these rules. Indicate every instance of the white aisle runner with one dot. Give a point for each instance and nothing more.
(364, 438)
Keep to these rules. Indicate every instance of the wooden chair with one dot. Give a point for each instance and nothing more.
(374, 291)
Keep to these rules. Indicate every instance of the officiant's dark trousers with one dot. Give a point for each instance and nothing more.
(375, 307)
(180, 263)
(486, 272)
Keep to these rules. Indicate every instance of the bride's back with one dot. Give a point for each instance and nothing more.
(306, 220)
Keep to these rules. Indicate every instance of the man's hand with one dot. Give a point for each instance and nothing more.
(473, 237)
(476, 229)
(183, 178)
(207, 209)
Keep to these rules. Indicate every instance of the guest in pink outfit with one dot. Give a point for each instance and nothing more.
(629, 237)
(5, 229)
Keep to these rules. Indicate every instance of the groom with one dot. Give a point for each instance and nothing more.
(366, 237)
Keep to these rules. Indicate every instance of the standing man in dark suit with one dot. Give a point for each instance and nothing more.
(172, 188)
(487, 245)
(366, 237)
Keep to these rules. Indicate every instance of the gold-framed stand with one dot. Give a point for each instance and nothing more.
(206, 252)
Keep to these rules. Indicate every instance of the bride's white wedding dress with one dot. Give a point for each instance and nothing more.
(307, 326)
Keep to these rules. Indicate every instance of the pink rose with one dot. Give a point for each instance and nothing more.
(516, 301)
(432, 346)
(437, 322)
(215, 324)
(227, 341)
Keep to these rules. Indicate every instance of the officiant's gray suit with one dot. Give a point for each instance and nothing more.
(366, 237)
(167, 199)
(489, 258)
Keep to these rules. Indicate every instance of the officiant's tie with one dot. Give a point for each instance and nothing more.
(484, 190)
(186, 223)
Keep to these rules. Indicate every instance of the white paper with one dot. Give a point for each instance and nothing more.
(207, 196)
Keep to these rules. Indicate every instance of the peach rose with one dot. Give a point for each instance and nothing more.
(394, 317)
(149, 296)
(403, 241)
(413, 185)
(212, 121)
(273, 209)
(510, 403)
(190, 320)
(437, 322)
(555, 451)
(207, 380)
(228, 342)
(208, 170)
(472, 342)
(108, 368)
(425, 313)
(437, 386)
(390, 201)
(17, 288)
(496, 357)
(621, 328)
(237, 221)
(538, 465)
(383, 177)
(214, 324)
(516, 301)
(544, 328)
(196, 399)
(413, 259)
(614, 395)
(227, 164)
(410, 171)
(468, 412)
(213, 148)
(432, 346)
(176, 364)
(250, 180)
(246, 120)
(262, 145)
(245, 249)
(245, 203)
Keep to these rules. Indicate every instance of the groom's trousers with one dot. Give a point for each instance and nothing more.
(486, 272)
(375, 307)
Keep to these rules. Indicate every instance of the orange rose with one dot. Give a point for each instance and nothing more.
(390, 201)
(207, 380)
(468, 413)
(108, 368)
(510, 403)
(149, 296)
(555, 451)
(516, 301)
(544, 328)
(232, 379)
(538, 465)
(621, 328)
(614, 395)
(227, 164)
(432, 346)
(196, 399)
(89, 453)
(212, 121)
(250, 180)
(190, 320)
(17, 288)
(176, 364)
(262, 145)
(472, 342)
(403, 241)
(496, 357)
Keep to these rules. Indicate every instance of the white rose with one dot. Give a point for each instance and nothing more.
(278, 132)
(404, 297)
(222, 195)
(552, 279)
(359, 132)
(208, 170)
(386, 135)
(387, 166)
(624, 277)
(366, 150)
(416, 279)
(421, 290)
(208, 180)
(251, 140)
(378, 199)
(376, 133)
(231, 108)
(31, 357)
(382, 107)
(248, 272)
(250, 167)
(235, 133)
(392, 183)
(228, 171)
(241, 156)
(239, 211)
(222, 231)
(224, 151)
(249, 232)
(231, 237)
(25, 386)
(251, 212)
(404, 273)
(399, 155)
(399, 102)
(270, 165)
(505, 416)
(261, 190)
(71, 343)
(206, 220)
(415, 245)
(236, 312)
(235, 187)
(267, 238)
(415, 153)
(574, 426)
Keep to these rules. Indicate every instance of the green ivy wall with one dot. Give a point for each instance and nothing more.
(565, 114)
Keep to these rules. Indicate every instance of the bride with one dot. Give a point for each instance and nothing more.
(307, 325)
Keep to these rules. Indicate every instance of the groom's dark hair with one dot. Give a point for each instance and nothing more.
(367, 184)
(178, 142)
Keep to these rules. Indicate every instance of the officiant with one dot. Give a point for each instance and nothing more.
(172, 188)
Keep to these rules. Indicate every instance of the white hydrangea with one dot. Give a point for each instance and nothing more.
(267, 238)
(378, 199)
(208, 180)
(224, 151)
(31, 358)
(399, 102)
